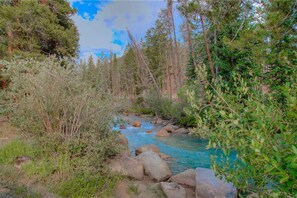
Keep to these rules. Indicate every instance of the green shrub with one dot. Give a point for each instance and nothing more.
(162, 106)
(70, 119)
(172, 110)
(54, 104)
(259, 128)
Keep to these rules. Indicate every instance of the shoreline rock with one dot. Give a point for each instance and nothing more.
(148, 147)
(170, 128)
(208, 185)
(187, 177)
(162, 133)
(154, 166)
(127, 166)
(173, 190)
(181, 131)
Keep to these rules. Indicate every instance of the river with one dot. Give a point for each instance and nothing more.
(186, 151)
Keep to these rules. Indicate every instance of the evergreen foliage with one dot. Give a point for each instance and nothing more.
(31, 28)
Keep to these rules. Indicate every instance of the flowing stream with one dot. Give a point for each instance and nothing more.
(186, 151)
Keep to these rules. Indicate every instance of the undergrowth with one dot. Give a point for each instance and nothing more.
(67, 121)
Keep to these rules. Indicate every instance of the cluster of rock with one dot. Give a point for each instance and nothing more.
(152, 178)
(165, 131)
(169, 128)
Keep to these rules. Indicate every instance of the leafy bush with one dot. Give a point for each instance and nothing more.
(52, 103)
(259, 128)
(70, 118)
(168, 109)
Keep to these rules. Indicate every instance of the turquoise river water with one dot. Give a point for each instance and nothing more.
(186, 151)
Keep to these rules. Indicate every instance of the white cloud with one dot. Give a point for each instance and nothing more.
(137, 15)
(94, 34)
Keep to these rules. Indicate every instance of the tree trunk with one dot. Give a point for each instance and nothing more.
(192, 53)
(171, 53)
(207, 47)
(170, 7)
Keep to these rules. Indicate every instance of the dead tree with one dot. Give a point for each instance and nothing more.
(143, 63)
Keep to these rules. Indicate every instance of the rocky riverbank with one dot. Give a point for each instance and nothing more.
(149, 176)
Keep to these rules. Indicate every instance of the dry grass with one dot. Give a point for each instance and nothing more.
(7, 132)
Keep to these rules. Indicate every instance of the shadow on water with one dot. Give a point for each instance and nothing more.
(186, 151)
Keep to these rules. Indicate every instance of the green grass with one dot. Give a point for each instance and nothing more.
(87, 185)
(10, 181)
(25, 192)
(15, 148)
(58, 170)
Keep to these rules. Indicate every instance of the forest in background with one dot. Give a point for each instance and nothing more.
(233, 76)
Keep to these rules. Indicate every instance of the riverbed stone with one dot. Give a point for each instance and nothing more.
(181, 131)
(121, 190)
(173, 190)
(122, 126)
(162, 133)
(136, 124)
(208, 185)
(164, 156)
(149, 147)
(127, 166)
(187, 177)
(170, 128)
(154, 166)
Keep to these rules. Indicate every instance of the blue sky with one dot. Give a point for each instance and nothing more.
(102, 24)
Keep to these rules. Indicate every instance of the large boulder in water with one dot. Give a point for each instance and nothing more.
(170, 128)
(173, 190)
(208, 185)
(149, 147)
(154, 166)
(162, 133)
(187, 177)
(136, 124)
(181, 131)
(127, 166)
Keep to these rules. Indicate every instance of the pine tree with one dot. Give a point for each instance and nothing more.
(37, 28)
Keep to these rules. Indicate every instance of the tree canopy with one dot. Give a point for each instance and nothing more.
(33, 28)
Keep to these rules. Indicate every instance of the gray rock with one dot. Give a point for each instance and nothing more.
(173, 190)
(154, 166)
(127, 166)
(181, 131)
(121, 190)
(187, 177)
(170, 128)
(162, 133)
(164, 156)
(149, 147)
(208, 185)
